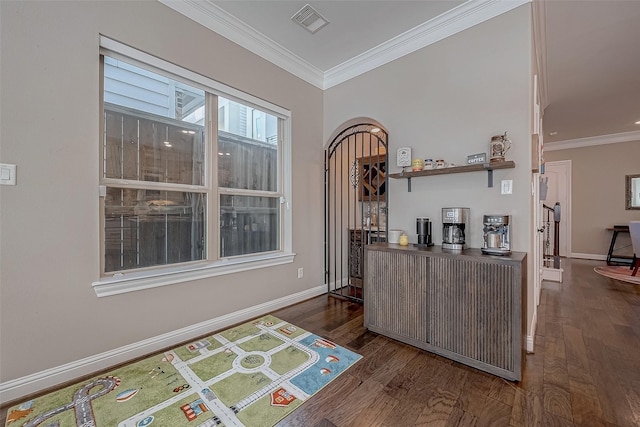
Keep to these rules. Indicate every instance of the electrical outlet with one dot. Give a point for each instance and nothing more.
(300, 273)
(507, 186)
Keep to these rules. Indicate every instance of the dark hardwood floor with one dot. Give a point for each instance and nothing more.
(585, 370)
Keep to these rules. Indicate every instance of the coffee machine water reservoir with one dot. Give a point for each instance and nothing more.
(455, 226)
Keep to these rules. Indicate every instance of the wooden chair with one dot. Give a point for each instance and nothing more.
(634, 231)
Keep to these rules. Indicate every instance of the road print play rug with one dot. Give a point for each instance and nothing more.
(250, 375)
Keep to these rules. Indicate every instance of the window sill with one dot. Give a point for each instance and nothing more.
(136, 281)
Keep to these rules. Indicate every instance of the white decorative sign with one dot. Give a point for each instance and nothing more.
(477, 158)
(404, 156)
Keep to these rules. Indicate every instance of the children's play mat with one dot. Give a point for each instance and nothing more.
(250, 375)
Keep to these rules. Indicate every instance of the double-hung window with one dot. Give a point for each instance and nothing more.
(194, 175)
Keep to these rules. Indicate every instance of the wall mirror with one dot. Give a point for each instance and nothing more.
(633, 191)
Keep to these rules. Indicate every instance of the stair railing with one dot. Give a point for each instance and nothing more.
(552, 253)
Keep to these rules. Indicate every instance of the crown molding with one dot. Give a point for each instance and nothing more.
(462, 17)
(216, 19)
(613, 138)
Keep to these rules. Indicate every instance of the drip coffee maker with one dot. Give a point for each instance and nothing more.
(455, 225)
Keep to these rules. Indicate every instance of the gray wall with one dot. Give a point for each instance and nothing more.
(598, 194)
(49, 222)
(446, 101)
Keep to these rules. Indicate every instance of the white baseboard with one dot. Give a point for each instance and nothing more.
(589, 256)
(552, 274)
(15, 389)
(530, 344)
(338, 283)
(530, 339)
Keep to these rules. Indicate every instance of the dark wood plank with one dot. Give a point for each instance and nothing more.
(557, 401)
(326, 423)
(404, 415)
(377, 411)
(494, 413)
(438, 409)
(460, 418)
(611, 394)
(408, 378)
(586, 410)
(527, 409)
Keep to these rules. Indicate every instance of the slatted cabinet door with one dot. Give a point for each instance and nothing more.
(396, 295)
(471, 310)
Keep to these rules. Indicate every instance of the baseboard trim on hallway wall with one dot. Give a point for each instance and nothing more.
(24, 386)
(597, 257)
(337, 284)
(530, 344)
(530, 339)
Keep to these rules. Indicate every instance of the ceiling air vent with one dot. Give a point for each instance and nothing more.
(310, 19)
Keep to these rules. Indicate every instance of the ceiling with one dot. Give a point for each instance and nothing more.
(592, 68)
(590, 50)
(354, 26)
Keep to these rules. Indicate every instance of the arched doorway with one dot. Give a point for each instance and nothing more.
(356, 194)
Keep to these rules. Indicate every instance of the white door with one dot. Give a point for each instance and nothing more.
(557, 176)
(537, 238)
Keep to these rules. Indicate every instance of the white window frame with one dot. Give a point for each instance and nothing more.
(135, 280)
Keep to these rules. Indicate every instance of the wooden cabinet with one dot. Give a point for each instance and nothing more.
(466, 306)
(358, 239)
(373, 178)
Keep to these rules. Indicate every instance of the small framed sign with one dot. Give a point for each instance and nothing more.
(404, 156)
(477, 158)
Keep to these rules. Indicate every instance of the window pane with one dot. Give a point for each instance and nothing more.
(249, 224)
(247, 147)
(154, 127)
(145, 228)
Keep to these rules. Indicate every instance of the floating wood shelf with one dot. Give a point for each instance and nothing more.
(489, 167)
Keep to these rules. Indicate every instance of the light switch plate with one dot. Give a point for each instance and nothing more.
(7, 174)
(507, 186)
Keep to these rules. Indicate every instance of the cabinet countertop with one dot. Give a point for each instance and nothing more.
(437, 250)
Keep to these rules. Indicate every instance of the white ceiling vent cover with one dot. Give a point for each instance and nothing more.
(310, 19)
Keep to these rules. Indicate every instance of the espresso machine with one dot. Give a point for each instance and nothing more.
(497, 234)
(455, 225)
(423, 229)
